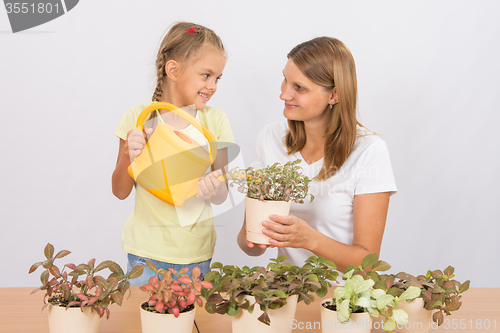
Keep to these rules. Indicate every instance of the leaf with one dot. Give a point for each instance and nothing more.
(411, 293)
(55, 272)
(464, 287)
(344, 309)
(369, 260)
(264, 318)
(113, 267)
(381, 266)
(438, 318)
(449, 271)
(49, 251)
(35, 266)
(377, 293)
(136, 271)
(62, 254)
(384, 301)
(151, 266)
(44, 277)
(363, 302)
(195, 273)
(453, 306)
(400, 316)
(389, 325)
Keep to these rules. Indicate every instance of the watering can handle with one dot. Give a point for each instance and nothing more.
(183, 114)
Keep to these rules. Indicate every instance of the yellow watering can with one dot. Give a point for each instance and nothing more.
(171, 163)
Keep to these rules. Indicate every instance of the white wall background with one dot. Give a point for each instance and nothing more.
(428, 84)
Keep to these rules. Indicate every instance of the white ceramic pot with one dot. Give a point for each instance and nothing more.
(281, 319)
(420, 319)
(258, 211)
(164, 323)
(62, 320)
(359, 322)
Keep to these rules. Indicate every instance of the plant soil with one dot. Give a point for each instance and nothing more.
(60, 301)
(145, 307)
(330, 306)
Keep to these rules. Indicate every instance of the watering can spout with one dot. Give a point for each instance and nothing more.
(171, 163)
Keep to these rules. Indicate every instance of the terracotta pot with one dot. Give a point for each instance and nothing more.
(62, 320)
(258, 211)
(281, 319)
(359, 322)
(163, 323)
(420, 319)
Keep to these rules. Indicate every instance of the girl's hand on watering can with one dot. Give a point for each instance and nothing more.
(209, 185)
(136, 141)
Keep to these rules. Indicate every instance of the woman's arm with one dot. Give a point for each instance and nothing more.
(369, 216)
(249, 248)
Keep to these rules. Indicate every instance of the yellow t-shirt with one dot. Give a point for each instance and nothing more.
(160, 231)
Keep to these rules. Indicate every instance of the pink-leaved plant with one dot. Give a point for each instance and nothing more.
(172, 291)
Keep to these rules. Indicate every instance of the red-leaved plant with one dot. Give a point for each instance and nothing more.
(172, 291)
(67, 289)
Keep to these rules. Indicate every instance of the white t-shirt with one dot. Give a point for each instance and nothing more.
(367, 170)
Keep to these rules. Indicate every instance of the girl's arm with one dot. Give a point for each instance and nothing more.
(121, 182)
(209, 187)
(370, 213)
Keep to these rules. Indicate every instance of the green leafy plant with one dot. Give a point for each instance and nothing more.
(172, 291)
(439, 291)
(275, 182)
(79, 285)
(271, 285)
(358, 295)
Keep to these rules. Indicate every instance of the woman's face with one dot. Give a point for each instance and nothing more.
(304, 100)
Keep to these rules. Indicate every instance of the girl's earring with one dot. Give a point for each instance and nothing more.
(331, 106)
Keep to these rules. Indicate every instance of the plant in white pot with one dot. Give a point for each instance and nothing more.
(264, 299)
(172, 298)
(269, 191)
(357, 301)
(76, 296)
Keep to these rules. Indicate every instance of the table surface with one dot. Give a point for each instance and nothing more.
(21, 312)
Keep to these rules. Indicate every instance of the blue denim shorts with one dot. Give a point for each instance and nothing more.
(134, 260)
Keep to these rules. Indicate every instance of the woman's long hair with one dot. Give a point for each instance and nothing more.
(328, 62)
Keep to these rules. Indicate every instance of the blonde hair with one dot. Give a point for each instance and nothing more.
(183, 41)
(328, 62)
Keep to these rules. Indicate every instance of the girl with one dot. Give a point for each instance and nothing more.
(189, 65)
(353, 172)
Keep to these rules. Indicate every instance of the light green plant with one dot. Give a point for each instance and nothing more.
(358, 295)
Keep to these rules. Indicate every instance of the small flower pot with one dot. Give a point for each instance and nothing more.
(163, 323)
(258, 211)
(420, 319)
(359, 322)
(281, 319)
(62, 320)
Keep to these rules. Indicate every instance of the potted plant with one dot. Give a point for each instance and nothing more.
(268, 295)
(440, 295)
(172, 298)
(76, 296)
(269, 191)
(358, 301)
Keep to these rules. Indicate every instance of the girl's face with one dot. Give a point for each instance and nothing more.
(304, 99)
(197, 81)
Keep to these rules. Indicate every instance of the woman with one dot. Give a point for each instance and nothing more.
(354, 178)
